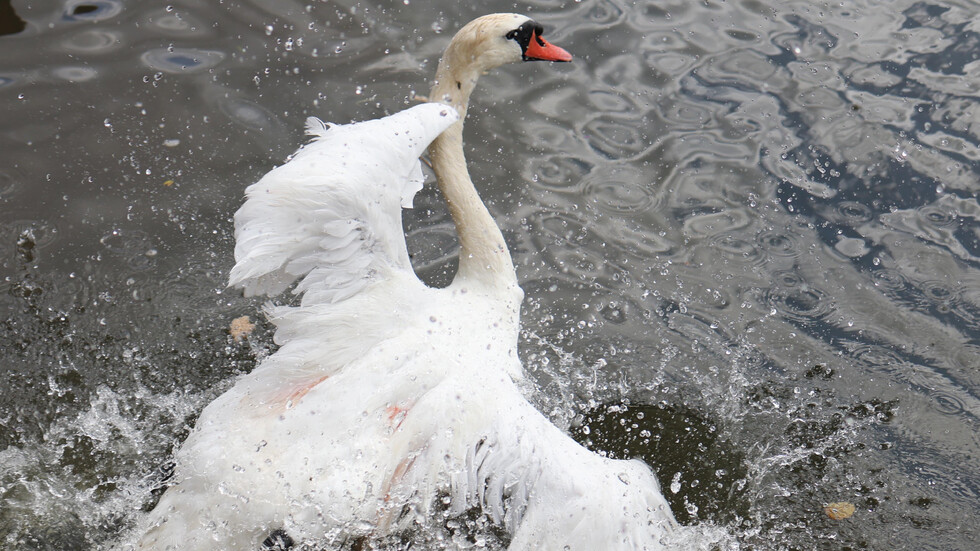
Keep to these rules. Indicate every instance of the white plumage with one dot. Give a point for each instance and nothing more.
(389, 400)
(333, 212)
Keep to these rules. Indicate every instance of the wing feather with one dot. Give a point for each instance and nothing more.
(331, 216)
(545, 487)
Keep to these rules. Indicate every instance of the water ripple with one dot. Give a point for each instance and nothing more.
(10, 183)
(877, 356)
(251, 115)
(135, 247)
(570, 246)
(947, 404)
(780, 243)
(724, 222)
(733, 246)
(742, 67)
(800, 303)
(955, 486)
(851, 130)
(27, 237)
(75, 74)
(667, 64)
(891, 280)
(175, 24)
(639, 241)
(967, 356)
(182, 60)
(607, 13)
(92, 41)
(615, 137)
(92, 10)
(619, 70)
(588, 266)
(619, 191)
(612, 102)
(175, 290)
(852, 213)
(938, 292)
(557, 172)
(432, 246)
(71, 293)
(687, 115)
(943, 299)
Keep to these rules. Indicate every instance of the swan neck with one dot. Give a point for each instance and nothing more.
(483, 252)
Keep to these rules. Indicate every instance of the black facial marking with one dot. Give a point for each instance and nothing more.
(523, 35)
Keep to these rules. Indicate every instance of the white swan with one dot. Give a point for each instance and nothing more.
(391, 403)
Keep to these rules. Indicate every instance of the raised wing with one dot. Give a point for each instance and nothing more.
(508, 460)
(332, 214)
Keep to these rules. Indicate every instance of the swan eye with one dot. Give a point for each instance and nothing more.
(524, 33)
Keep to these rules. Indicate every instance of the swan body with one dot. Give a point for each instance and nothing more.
(390, 403)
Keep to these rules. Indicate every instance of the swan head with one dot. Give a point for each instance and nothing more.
(501, 38)
(488, 42)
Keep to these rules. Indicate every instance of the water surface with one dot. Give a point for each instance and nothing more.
(756, 225)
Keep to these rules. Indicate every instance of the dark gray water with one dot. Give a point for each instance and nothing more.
(755, 223)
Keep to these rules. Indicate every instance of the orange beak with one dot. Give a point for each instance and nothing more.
(539, 49)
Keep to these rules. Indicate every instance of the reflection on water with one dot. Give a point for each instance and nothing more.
(755, 224)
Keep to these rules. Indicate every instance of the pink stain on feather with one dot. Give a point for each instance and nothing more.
(290, 396)
(396, 414)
